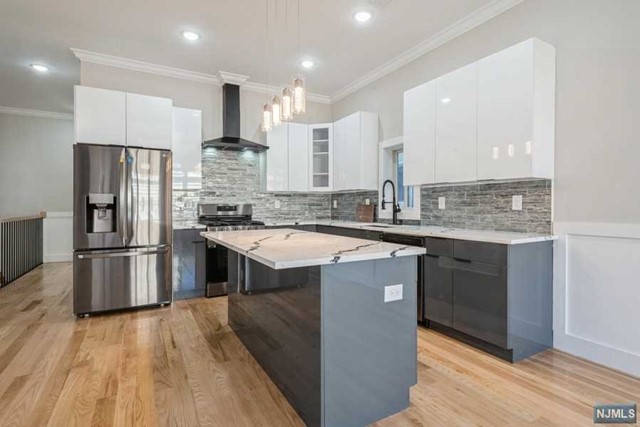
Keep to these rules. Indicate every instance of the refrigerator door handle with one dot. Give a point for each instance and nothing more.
(123, 205)
(122, 254)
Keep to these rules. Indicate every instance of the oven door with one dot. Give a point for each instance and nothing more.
(217, 273)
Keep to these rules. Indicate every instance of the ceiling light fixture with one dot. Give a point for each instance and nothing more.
(362, 16)
(307, 63)
(191, 36)
(445, 100)
(40, 68)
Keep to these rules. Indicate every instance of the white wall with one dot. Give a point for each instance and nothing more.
(36, 156)
(188, 94)
(596, 206)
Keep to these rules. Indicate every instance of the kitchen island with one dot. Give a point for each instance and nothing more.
(331, 319)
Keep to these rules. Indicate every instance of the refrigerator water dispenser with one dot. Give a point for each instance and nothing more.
(101, 213)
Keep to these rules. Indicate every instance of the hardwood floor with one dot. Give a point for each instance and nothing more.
(182, 366)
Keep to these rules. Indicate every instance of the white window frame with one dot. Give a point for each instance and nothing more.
(386, 170)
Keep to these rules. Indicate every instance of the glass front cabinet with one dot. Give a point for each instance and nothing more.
(321, 157)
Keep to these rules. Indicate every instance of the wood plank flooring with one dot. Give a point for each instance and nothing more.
(182, 366)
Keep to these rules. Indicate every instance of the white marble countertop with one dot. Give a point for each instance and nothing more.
(500, 237)
(288, 248)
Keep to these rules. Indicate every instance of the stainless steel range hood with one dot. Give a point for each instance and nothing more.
(231, 139)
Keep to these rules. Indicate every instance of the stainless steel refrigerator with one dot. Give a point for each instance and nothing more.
(122, 228)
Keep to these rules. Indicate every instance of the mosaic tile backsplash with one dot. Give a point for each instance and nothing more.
(236, 177)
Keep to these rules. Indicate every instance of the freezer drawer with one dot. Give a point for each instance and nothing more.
(124, 278)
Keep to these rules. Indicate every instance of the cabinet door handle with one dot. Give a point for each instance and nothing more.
(467, 261)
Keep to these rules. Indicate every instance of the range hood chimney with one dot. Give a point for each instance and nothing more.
(231, 139)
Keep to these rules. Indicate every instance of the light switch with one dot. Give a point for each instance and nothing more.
(277, 204)
(335, 204)
(516, 203)
(441, 203)
(367, 202)
(392, 293)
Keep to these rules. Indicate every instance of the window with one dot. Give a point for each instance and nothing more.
(405, 195)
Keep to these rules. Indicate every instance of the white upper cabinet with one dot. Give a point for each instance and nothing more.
(278, 158)
(111, 117)
(355, 152)
(321, 157)
(420, 134)
(493, 119)
(456, 125)
(99, 116)
(516, 112)
(149, 121)
(298, 143)
(187, 149)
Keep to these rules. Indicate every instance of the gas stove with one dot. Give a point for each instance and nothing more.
(228, 217)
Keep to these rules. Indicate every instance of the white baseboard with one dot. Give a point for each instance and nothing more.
(58, 237)
(596, 293)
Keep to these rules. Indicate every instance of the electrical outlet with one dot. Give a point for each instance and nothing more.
(516, 203)
(392, 293)
(277, 204)
(335, 204)
(367, 202)
(441, 203)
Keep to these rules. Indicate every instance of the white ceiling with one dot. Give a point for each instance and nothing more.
(233, 39)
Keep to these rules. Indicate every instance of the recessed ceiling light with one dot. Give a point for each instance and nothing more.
(191, 36)
(362, 16)
(445, 100)
(40, 68)
(307, 63)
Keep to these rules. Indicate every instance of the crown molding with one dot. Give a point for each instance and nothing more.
(456, 29)
(178, 73)
(144, 67)
(232, 78)
(36, 113)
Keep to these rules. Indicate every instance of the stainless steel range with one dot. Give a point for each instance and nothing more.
(218, 217)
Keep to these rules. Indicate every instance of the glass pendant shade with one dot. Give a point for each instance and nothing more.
(299, 96)
(276, 110)
(287, 104)
(267, 118)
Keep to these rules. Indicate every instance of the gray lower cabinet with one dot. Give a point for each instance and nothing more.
(496, 297)
(438, 289)
(480, 296)
(189, 264)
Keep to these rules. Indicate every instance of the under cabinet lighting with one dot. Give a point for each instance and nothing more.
(496, 153)
(511, 150)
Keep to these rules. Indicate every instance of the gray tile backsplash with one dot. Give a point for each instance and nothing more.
(237, 177)
(487, 206)
(347, 202)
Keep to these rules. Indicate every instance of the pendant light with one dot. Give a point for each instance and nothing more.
(299, 90)
(267, 118)
(299, 95)
(267, 115)
(287, 104)
(276, 110)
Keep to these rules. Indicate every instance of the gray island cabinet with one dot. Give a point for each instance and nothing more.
(331, 319)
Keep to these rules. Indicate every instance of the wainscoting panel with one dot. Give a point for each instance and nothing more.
(58, 237)
(597, 293)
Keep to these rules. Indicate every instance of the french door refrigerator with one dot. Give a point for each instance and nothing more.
(122, 228)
